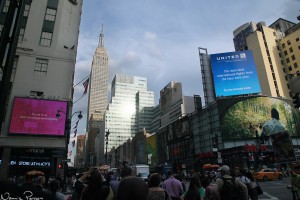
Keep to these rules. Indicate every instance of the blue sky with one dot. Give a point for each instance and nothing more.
(159, 39)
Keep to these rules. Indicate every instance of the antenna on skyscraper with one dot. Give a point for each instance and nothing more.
(101, 40)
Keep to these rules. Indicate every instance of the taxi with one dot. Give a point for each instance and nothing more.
(267, 174)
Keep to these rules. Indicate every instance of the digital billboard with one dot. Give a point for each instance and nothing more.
(234, 73)
(258, 116)
(38, 117)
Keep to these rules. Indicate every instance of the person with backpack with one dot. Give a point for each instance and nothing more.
(229, 187)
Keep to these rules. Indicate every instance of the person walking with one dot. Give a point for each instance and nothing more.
(54, 191)
(97, 188)
(155, 191)
(230, 187)
(132, 188)
(195, 190)
(173, 186)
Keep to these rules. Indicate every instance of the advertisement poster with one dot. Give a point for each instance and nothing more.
(257, 116)
(283, 147)
(234, 73)
(38, 117)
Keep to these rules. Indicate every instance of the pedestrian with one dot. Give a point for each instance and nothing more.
(96, 188)
(230, 187)
(179, 177)
(54, 191)
(252, 186)
(125, 171)
(155, 191)
(132, 188)
(173, 186)
(195, 190)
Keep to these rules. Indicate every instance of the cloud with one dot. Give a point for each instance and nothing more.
(159, 40)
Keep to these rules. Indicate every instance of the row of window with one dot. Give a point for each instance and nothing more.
(289, 42)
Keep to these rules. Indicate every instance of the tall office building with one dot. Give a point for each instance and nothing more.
(264, 43)
(98, 95)
(129, 112)
(38, 110)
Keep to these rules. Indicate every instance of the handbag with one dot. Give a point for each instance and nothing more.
(258, 189)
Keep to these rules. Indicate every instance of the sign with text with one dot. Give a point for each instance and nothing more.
(38, 117)
(234, 73)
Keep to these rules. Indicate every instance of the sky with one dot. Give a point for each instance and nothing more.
(159, 39)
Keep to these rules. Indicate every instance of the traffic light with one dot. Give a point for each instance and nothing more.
(59, 166)
(296, 100)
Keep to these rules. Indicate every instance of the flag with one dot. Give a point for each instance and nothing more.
(86, 85)
(76, 124)
(73, 143)
(75, 132)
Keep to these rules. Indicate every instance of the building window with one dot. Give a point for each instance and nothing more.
(26, 10)
(283, 45)
(14, 69)
(291, 50)
(295, 65)
(288, 42)
(41, 66)
(285, 53)
(1, 28)
(293, 57)
(46, 39)
(290, 68)
(21, 35)
(287, 60)
(297, 39)
(5, 6)
(50, 14)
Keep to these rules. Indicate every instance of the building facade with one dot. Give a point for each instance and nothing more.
(98, 97)
(42, 77)
(129, 111)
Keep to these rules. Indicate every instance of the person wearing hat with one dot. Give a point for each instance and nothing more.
(225, 176)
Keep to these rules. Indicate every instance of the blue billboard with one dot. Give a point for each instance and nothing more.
(234, 73)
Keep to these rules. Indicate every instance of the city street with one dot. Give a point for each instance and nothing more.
(276, 190)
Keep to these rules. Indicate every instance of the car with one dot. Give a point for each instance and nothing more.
(267, 174)
(144, 176)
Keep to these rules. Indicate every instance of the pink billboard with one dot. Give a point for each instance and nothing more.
(38, 117)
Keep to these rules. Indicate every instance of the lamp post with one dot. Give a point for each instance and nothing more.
(68, 127)
(106, 143)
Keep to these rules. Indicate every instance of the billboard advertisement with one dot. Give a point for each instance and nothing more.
(38, 117)
(234, 73)
(258, 116)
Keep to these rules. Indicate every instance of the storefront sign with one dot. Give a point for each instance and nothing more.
(29, 163)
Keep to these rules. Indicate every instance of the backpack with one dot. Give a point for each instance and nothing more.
(230, 191)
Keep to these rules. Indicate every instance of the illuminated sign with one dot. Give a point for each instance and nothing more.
(29, 163)
(38, 117)
(234, 73)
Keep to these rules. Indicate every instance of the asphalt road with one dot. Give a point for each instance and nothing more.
(276, 190)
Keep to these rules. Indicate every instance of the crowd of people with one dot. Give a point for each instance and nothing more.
(235, 184)
(121, 185)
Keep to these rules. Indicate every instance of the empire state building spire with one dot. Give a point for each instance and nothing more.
(101, 39)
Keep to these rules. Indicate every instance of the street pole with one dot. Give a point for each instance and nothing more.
(106, 143)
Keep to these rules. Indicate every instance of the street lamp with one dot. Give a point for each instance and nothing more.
(60, 111)
(106, 142)
(68, 127)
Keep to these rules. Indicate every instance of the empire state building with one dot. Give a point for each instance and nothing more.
(98, 94)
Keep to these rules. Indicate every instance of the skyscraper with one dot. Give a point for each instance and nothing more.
(97, 102)
(98, 85)
(264, 43)
(129, 111)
